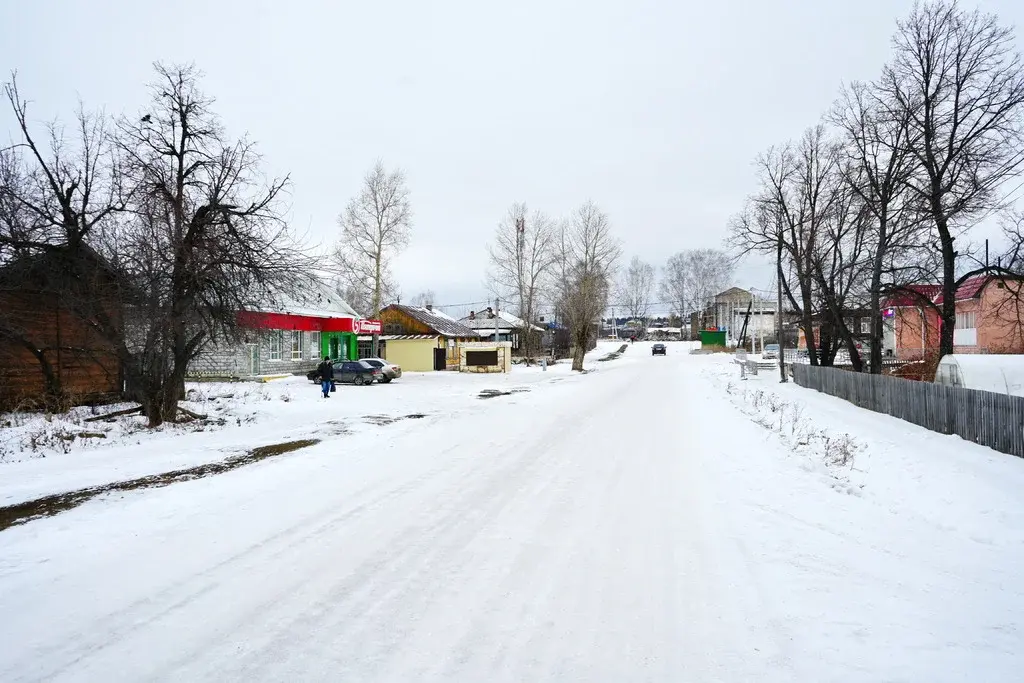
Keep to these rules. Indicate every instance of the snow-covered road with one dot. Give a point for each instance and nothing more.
(624, 525)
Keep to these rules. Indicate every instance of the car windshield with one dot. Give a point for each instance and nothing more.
(365, 364)
(375, 363)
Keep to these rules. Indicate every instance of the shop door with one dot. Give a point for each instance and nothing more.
(254, 358)
(335, 345)
(440, 359)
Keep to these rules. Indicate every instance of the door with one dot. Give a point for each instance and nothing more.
(335, 347)
(348, 373)
(254, 358)
(440, 359)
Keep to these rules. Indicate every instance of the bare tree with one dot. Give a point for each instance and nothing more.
(674, 285)
(693, 277)
(375, 227)
(635, 289)
(522, 257)
(797, 196)
(424, 298)
(204, 239)
(587, 254)
(877, 168)
(959, 81)
(56, 191)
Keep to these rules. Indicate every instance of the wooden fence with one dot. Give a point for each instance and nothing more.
(986, 418)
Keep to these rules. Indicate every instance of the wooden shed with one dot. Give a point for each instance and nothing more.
(52, 351)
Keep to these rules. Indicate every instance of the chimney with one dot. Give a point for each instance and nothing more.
(430, 307)
(490, 312)
(472, 315)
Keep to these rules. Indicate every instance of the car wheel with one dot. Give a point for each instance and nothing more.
(385, 380)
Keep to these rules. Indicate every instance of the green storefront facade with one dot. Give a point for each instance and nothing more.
(339, 345)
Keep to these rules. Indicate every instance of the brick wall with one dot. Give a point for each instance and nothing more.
(232, 359)
(85, 364)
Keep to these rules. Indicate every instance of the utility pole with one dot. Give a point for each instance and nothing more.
(778, 315)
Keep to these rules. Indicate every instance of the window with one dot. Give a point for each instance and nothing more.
(392, 328)
(314, 345)
(865, 327)
(966, 320)
(296, 345)
(477, 358)
(276, 342)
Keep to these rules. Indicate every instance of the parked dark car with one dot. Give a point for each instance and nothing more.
(659, 350)
(350, 372)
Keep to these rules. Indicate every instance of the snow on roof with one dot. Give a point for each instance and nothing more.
(507, 321)
(1001, 374)
(315, 299)
(439, 322)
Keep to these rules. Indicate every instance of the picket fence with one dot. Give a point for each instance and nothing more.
(993, 420)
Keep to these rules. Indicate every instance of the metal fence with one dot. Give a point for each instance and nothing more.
(993, 420)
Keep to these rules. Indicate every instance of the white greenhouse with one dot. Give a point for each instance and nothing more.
(1000, 374)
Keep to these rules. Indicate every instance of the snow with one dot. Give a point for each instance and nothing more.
(36, 461)
(543, 536)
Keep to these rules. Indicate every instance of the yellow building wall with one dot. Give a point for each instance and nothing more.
(412, 355)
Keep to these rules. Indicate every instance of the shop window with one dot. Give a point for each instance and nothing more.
(296, 345)
(314, 345)
(276, 342)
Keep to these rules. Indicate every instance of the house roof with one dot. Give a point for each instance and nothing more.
(396, 337)
(316, 299)
(734, 293)
(506, 321)
(968, 289)
(442, 324)
(912, 298)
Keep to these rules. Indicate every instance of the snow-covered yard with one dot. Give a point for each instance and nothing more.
(41, 454)
(657, 519)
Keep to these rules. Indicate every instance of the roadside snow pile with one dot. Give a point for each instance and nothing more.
(823, 451)
(28, 435)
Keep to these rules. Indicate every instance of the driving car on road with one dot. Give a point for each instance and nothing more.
(389, 371)
(659, 350)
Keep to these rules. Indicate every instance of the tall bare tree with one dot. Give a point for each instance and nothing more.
(375, 227)
(522, 257)
(797, 197)
(587, 254)
(674, 286)
(204, 238)
(959, 79)
(877, 167)
(57, 190)
(635, 289)
(693, 277)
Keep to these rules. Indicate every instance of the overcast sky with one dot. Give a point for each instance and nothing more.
(654, 110)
